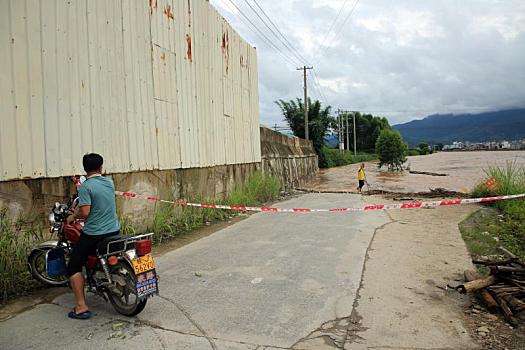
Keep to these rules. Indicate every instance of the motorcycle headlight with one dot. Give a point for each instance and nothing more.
(51, 218)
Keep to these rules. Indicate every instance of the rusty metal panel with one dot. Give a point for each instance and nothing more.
(157, 84)
(142, 131)
(165, 96)
(185, 98)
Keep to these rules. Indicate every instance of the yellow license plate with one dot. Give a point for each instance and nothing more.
(143, 264)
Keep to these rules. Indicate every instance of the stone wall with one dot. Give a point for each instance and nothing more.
(291, 159)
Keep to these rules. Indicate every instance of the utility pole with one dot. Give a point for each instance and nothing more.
(347, 134)
(340, 136)
(353, 122)
(304, 68)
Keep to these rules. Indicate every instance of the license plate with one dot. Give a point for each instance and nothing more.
(143, 264)
(147, 284)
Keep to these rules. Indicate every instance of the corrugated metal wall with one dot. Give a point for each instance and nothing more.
(150, 84)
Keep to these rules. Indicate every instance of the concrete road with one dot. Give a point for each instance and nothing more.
(267, 282)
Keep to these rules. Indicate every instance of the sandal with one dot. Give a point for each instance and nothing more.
(81, 316)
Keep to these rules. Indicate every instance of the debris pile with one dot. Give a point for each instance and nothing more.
(503, 290)
(426, 173)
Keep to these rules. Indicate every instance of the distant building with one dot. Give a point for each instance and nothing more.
(485, 146)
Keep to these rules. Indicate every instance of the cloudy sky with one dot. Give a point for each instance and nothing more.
(400, 59)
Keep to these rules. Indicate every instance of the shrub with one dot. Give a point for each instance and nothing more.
(335, 157)
(258, 188)
(16, 240)
(424, 149)
(413, 152)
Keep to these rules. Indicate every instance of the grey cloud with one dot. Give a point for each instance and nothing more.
(395, 57)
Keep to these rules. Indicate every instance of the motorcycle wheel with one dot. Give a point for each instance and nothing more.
(128, 304)
(37, 266)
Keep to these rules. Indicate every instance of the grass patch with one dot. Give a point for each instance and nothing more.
(258, 189)
(335, 157)
(170, 221)
(501, 223)
(413, 152)
(507, 180)
(481, 232)
(16, 239)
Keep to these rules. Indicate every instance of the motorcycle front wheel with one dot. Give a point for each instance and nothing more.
(37, 266)
(125, 302)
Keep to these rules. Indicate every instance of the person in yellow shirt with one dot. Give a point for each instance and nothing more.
(361, 177)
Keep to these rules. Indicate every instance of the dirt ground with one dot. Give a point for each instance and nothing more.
(403, 302)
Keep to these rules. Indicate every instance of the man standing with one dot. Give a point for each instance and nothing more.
(97, 206)
(361, 177)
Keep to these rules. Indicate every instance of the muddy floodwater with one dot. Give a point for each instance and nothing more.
(463, 171)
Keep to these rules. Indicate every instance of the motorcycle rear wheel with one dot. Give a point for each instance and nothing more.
(37, 266)
(128, 304)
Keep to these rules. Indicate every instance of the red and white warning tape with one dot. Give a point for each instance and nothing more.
(410, 205)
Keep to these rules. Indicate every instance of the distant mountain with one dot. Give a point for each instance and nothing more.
(331, 140)
(446, 128)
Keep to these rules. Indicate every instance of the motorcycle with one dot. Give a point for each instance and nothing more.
(121, 270)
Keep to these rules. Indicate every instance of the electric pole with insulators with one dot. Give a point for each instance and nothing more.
(304, 68)
(355, 143)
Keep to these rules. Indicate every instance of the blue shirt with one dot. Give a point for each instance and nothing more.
(99, 193)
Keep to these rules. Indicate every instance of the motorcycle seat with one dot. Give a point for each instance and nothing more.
(103, 248)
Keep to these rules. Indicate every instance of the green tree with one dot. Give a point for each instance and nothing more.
(424, 149)
(391, 149)
(319, 120)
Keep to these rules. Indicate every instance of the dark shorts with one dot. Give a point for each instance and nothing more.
(361, 183)
(85, 246)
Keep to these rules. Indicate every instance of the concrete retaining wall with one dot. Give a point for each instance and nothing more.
(34, 198)
(291, 159)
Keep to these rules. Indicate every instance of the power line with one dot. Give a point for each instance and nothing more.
(291, 47)
(277, 33)
(325, 42)
(346, 19)
(335, 21)
(269, 28)
(318, 91)
(259, 33)
(316, 80)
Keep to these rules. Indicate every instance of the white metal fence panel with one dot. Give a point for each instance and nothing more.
(160, 84)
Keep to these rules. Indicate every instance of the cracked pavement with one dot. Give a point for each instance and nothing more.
(271, 281)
